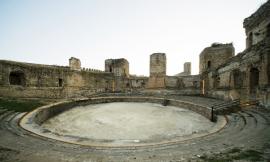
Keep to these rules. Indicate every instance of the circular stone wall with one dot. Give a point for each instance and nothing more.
(119, 124)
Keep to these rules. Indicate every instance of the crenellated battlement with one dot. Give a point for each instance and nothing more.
(92, 70)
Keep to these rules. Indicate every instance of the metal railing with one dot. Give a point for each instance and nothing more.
(224, 105)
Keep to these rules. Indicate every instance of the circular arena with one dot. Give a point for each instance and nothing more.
(197, 139)
(121, 122)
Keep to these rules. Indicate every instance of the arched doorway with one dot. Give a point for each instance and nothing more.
(253, 80)
(237, 78)
(17, 78)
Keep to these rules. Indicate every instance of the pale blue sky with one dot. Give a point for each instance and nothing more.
(52, 31)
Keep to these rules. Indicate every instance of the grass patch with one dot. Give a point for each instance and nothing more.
(234, 150)
(20, 105)
(251, 155)
(234, 154)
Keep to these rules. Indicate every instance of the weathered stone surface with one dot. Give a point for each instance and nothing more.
(215, 55)
(157, 70)
(120, 67)
(74, 63)
(187, 69)
(246, 75)
(222, 75)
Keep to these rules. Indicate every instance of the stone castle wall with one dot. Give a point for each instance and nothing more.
(34, 80)
(245, 76)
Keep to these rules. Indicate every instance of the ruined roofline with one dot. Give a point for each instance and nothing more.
(238, 56)
(32, 64)
(216, 46)
(158, 53)
(25, 64)
(258, 16)
(119, 61)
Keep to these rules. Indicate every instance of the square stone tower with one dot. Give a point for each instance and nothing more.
(215, 55)
(187, 68)
(74, 63)
(120, 67)
(157, 70)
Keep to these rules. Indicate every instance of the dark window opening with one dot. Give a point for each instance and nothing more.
(39, 82)
(60, 82)
(143, 84)
(209, 64)
(17, 78)
(217, 82)
(127, 84)
(110, 69)
(254, 79)
(125, 72)
(268, 30)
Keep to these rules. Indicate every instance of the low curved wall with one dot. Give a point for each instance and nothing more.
(42, 114)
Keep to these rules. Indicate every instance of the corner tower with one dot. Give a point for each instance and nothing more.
(74, 63)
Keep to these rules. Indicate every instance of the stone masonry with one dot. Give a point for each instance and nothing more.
(157, 70)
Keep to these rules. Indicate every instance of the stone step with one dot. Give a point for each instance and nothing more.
(5, 114)
(241, 127)
(3, 111)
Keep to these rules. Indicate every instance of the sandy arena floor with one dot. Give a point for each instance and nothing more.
(123, 122)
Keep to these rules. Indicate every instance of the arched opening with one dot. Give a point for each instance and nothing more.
(250, 40)
(237, 79)
(16, 78)
(208, 64)
(253, 80)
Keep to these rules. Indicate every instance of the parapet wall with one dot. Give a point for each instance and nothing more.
(42, 114)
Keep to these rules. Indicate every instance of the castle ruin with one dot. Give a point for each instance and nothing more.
(222, 74)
